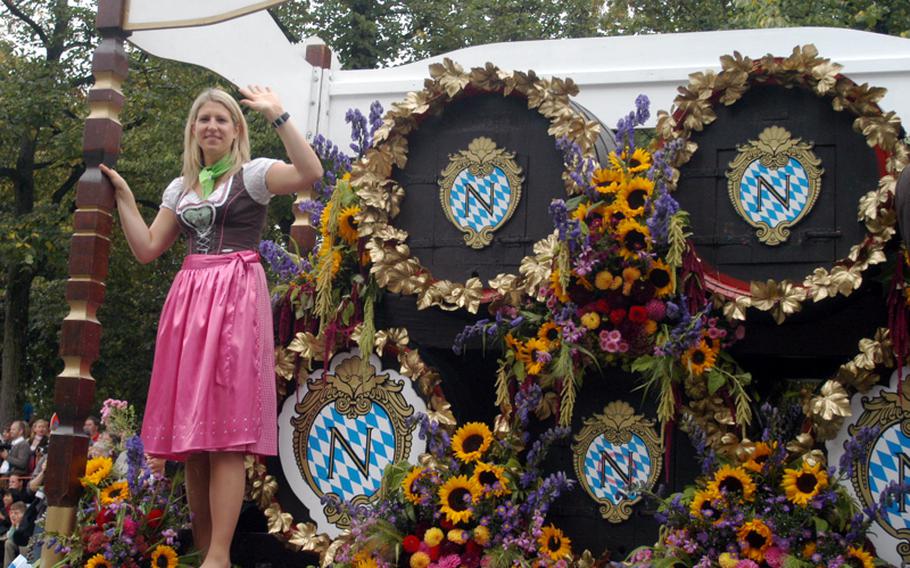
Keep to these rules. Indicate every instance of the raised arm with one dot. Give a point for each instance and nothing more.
(146, 242)
(305, 168)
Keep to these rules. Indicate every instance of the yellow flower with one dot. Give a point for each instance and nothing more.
(550, 333)
(96, 470)
(636, 193)
(630, 276)
(866, 560)
(733, 481)
(699, 358)
(580, 213)
(634, 238)
(727, 560)
(556, 285)
(803, 484)
(617, 212)
(364, 559)
(591, 320)
(755, 539)
(608, 180)
(458, 536)
(419, 559)
(407, 484)
(455, 497)
(97, 561)
(603, 280)
(638, 162)
(324, 220)
(471, 441)
(433, 536)
(115, 493)
(809, 550)
(661, 277)
(532, 365)
(164, 557)
(488, 475)
(759, 456)
(347, 225)
(554, 544)
(703, 503)
(481, 535)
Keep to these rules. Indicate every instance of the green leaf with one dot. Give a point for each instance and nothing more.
(820, 524)
(715, 382)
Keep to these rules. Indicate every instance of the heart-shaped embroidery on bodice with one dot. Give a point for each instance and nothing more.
(199, 217)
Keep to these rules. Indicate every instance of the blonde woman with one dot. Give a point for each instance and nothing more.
(212, 393)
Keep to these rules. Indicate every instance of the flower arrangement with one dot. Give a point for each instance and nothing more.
(469, 503)
(770, 504)
(128, 516)
(617, 290)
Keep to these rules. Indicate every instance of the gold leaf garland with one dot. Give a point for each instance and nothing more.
(693, 109)
(392, 264)
(262, 488)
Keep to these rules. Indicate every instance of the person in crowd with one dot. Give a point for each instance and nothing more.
(213, 354)
(19, 455)
(6, 499)
(39, 438)
(92, 429)
(14, 535)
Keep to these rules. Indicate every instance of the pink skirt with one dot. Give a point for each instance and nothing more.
(213, 379)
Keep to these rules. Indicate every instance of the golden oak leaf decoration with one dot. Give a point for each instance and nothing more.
(826, 74)
(278, 522)
(304, 537)
(831, 402)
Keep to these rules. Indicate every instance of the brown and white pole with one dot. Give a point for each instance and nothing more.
(74, 392)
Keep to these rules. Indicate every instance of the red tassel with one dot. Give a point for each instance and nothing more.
(897, 323)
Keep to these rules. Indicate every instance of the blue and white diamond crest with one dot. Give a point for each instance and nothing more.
(480, 202)
(347, 456)
(332, 444)
(890, 462)
(612, 471)
(774, 196)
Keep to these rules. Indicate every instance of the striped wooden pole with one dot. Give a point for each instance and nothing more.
(90, 248)
(302, 230)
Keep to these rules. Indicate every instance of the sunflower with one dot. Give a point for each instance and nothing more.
(97, 561)
(759, 456)
(471, 441)
(703, 503)
(550, 334)
(96, 470)
(164, 557)
(533, 364)
(639, 162)
(407, 485)
(636, 193)
(803, 484)
(554, 544)
(364, 559)
(617, 212)
(487, 475)
(733, 480)
(556, 285)
(661, 277)
(864, 559)
(347, 224)
(580, 213)
(633, 238)
(456, 496)
(755, 539)
(115, 493)
(608, 180)
(699, 358)
(324, 220)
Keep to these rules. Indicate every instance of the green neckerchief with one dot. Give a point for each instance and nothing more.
(209, 174)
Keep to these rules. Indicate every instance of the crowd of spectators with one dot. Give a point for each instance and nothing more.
(23, 459)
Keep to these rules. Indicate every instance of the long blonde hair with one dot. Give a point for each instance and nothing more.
(193, 161)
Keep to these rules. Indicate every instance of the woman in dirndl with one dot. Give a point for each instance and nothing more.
(212, 393)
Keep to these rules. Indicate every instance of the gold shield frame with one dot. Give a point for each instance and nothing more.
(774, 149)
(480, 158)
(617, 423)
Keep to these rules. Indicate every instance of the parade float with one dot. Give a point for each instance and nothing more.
(553, 315)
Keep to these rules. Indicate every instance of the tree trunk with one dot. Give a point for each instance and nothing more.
(15, 330)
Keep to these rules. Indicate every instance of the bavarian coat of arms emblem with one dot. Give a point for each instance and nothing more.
(480, 189)
(773, 183)
(617, 457)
